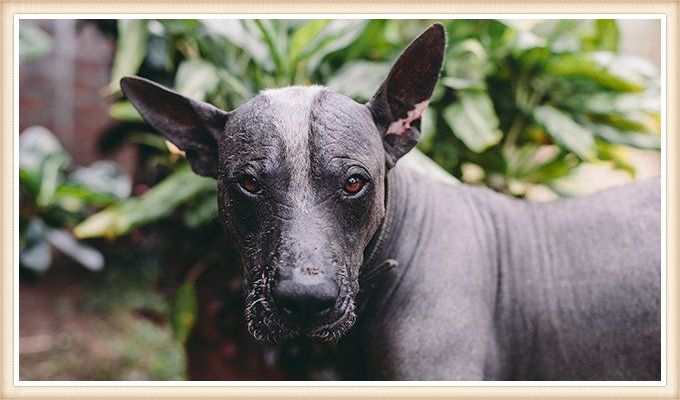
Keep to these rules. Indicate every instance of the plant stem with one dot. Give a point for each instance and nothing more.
(513, 133)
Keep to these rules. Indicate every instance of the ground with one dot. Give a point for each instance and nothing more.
(77, 325)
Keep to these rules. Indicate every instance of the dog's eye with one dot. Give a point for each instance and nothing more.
(249, 184)
(353, 184)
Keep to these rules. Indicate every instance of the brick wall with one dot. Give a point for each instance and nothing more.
(63, 91)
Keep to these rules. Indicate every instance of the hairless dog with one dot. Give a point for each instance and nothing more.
(443, 281)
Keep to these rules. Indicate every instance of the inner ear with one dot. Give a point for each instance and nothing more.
(398, 104)
(193, 126)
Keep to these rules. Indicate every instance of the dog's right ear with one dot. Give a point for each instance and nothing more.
(193, 126)
(400, 101)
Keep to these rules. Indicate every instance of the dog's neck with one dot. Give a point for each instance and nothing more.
(377, 257)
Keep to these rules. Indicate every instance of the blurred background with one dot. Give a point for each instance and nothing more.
(124, 273)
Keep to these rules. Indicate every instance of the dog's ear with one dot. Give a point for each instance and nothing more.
(193, 126)
(400, 101)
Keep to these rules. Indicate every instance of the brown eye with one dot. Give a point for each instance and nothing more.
(249, 184)
(353, 184)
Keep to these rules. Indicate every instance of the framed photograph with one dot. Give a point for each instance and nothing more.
(340, 199)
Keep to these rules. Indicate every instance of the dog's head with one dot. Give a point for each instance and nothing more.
(301, 176)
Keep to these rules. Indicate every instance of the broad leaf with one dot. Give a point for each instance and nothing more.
(607, 35)
(36, 254)
(565, 131)
(130, 52)
(335, 36)
(196, 79)
(42, 161)
(103, 177)
(603, 68)
(468, 62)
(85, 255)
(125, 111)
(155, 204)
(183, 311)
(473, 120)
(244, 35)
(359, 79)
(303, 37)
(645, 141)
(609, 103)
(34, 43)
(202, 210)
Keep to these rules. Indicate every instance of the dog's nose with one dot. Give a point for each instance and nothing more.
(304, 298)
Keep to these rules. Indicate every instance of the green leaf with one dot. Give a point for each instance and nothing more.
(155, 204)
(463, 84)
(34, 43)
(36, 145)
(124, 111)
(42, 160)
(77, 199)
(473, 120)
(36, 254)
(638, 140)
(566, 132)
(616, 155)
(244, 35)
(183, 311)
(598, 68)
(130, 51)
(335, 36)
(468, 61)
(359, 79)
(303, 36)
(533, 163)
(27, 182)
(196, 79)
(275, 42)
(201, 211)
(85, 255)
(609, 103)
(607, 34)
(103, 177)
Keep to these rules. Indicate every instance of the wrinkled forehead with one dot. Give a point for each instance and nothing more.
(297, 122)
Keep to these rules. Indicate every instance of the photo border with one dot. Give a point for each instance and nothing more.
(8, 154)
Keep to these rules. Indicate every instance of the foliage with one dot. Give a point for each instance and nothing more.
(54, 198)
(527, 104)
(34, 43)
(523, 103)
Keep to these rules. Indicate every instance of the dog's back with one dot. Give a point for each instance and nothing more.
(580, 290)
(503, 289)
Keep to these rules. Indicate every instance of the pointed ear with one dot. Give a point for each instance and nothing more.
(400, 101)
(193, 126)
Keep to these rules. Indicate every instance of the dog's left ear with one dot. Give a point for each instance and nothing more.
(193, 126)
(400, 101)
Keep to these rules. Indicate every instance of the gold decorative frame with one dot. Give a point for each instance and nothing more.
(8, 10)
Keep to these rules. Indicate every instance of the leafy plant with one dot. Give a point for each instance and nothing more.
(53, 199)
(521, 104)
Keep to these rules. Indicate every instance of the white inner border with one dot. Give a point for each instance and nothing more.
(17, 382)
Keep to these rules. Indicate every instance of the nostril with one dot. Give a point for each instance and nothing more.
(301, 299)
(324, 305)
(288, 306)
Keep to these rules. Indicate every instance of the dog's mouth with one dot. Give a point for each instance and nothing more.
(267, 321)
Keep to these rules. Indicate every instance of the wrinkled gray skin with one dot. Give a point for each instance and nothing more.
(493, 288)
(485, 287)
(301, 143)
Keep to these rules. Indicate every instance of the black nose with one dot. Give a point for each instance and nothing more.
(305, 298)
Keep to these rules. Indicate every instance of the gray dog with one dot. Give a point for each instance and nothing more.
(480, 286)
